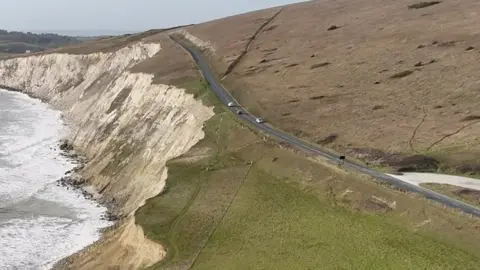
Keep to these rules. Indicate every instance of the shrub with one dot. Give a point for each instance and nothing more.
(423, 4)
(314, 66)
(471, 118)
(402, 74)
(333, 27)
(316, 97)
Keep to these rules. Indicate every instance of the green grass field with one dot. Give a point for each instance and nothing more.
(272, 225)
(246, 202)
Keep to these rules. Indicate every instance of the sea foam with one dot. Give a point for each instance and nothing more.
(40, 221)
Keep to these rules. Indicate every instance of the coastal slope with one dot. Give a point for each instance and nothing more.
(193, 187)
(125, 125)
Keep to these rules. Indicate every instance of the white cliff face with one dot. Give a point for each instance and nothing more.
(50, 76)
(126, 126)
(207, 45)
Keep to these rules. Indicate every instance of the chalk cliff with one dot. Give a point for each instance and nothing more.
(125, 125)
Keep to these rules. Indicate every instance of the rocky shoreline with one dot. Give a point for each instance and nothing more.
(73, 179)
(13, 89)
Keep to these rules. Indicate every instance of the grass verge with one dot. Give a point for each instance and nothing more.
(467, 195)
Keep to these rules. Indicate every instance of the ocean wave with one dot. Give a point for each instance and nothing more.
(42, 222)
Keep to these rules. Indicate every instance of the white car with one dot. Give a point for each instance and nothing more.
(231, 104)
(259, 120)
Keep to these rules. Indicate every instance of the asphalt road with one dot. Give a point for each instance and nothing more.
(225, 97)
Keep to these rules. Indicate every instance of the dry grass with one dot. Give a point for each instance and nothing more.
(377, 39)
(470, 196)
(228, 49)
(171, 65)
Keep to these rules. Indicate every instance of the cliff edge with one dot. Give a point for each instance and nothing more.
(127, 127)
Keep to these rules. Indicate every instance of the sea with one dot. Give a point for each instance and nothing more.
(41, 221)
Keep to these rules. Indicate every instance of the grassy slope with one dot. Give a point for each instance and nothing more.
(275, 226)
(239, 200)
(284, 210)
(252, 204)
(353, 98)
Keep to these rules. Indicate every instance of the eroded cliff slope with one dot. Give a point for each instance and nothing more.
(124, 124)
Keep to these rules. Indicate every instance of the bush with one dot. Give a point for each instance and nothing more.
(314, 66)
(423, 4)
(402, 74)
(333, 27)
(471, 118)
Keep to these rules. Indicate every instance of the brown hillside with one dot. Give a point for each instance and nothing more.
(390, 75)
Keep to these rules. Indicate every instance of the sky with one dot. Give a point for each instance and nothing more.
(102, 16)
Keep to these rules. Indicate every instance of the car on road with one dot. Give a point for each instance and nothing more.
(239, 112)
(231, 104)
(341, 159)
(259, 120)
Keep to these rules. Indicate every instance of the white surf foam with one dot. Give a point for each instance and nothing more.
(28, 136)
(30, 165)
(38, 242)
